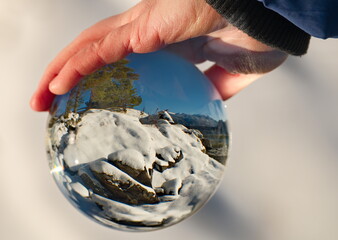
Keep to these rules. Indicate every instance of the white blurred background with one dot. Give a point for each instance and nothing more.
(282, 175)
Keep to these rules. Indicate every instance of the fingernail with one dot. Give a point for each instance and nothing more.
(53, 87)
(32, 102)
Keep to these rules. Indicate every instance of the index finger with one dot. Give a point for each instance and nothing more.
(43, 97)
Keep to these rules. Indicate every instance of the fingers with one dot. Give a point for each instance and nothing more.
(40, 101)
(229, 84)
(145, 28)
(111, 48)
(95, 33)
(43, 97)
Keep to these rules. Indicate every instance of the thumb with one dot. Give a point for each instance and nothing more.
(229, 84)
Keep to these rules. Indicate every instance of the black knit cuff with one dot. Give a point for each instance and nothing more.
(263, 24)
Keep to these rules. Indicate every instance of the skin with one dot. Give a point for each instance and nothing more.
(190, 28)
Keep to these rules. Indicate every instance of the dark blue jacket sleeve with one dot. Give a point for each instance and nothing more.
(263, 24)
(318, 18)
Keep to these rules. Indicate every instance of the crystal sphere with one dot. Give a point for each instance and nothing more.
(140, 144)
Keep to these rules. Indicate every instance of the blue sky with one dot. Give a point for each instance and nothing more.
(168, 82)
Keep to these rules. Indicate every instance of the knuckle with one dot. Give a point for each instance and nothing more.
(72, 63)
(143, 39)
(98, 51)
(76, 66)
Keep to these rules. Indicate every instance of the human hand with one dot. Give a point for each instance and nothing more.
(190, 25)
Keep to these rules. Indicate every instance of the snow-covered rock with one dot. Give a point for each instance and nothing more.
(131, 162)
(138, 170)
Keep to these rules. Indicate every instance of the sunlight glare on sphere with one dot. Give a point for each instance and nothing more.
(140, 144)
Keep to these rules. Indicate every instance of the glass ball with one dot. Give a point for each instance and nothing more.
(140, 144)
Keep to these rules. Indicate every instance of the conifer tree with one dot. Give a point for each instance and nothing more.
(109, 87)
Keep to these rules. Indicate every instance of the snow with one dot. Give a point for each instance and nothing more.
(172, 186)
(169, 153)
(79, 189)
(100, 166)
(183, 176)
(129, 157)
(165, 115)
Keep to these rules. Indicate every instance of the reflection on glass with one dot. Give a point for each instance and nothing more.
(140, 144)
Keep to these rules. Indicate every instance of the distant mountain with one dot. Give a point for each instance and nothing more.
(194, 120)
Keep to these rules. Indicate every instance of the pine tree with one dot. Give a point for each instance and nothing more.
(112, 87)
(109, 87)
